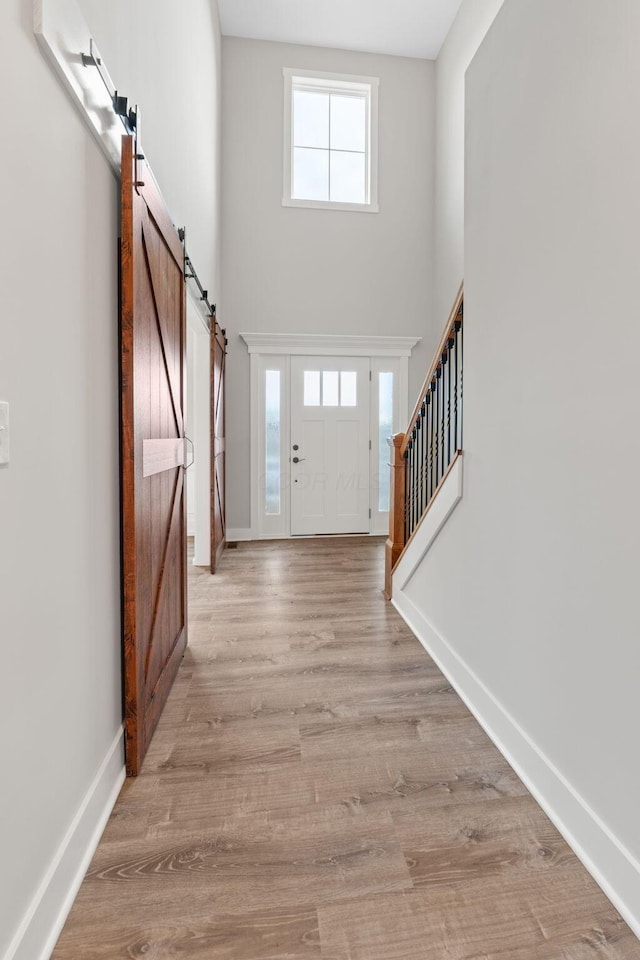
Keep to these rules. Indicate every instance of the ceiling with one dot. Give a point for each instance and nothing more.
(406, 28)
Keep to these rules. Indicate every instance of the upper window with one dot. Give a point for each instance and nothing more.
(330, 150)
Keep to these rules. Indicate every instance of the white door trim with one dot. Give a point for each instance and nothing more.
(329, 345)
(274, 351)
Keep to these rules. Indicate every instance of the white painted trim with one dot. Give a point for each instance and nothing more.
(441, 508)
(235, 534)
(245, 534)
(329, 345)
(197, 318)
(42, 924)
(331, 205)
(338, 81)
(62, 34)
(610, 863)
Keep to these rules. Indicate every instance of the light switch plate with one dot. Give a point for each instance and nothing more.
(4, 432)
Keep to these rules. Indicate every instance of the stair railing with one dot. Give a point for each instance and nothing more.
(422, 456)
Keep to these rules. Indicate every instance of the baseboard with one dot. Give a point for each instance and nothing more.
(40, 928)
(246, 533)
(201, 563)
(239, 533)
(613, 867)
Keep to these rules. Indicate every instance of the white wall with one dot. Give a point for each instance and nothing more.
(529, 595)
(165, 56)
(60, 686)
(467, 32)
(290, 269)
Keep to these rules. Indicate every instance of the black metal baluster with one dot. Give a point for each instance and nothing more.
(450, 445)
(411, 454)
(416, 460)
(423, 457)
(406, 494)
(409, 485)
(461, 377)
(445, 375)
(438, 424)
(437, 431)
(430, 405)
(442, 414)
(430, 476)
(427, 432)
(455, 387)
(413, 483)
(432, 441)
(419, 461)
(418, 451)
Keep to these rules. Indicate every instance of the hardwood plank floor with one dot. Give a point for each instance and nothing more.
(316, 789)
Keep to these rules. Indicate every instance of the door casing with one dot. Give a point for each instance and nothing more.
(274, 352)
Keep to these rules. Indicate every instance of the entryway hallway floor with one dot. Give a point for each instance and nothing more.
(316, 789)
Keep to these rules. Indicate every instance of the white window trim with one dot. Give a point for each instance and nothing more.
(273, 351)
(337, 81)
(399, 369)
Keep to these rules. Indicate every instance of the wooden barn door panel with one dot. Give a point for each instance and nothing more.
(153, 335)
(218, 445)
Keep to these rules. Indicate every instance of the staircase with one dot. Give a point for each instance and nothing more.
(423, 457)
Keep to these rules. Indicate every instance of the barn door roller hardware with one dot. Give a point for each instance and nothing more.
(127, 114)
(130, 118)
(190, 274)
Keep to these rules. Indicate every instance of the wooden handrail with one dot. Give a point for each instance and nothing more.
(454, 316)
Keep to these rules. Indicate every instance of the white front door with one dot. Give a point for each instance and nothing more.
(329, 445)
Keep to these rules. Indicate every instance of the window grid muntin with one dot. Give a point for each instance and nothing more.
(360, 91)
(308, 387)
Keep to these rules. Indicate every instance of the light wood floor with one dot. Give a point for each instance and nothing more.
(315, 789)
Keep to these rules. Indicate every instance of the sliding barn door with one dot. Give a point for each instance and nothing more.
(153, 338)
(218, 518)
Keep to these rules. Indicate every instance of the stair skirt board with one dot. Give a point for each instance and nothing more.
(440, 509)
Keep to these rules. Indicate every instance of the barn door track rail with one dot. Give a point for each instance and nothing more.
(66, 43)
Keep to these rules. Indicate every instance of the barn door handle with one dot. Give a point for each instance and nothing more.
(193, 453)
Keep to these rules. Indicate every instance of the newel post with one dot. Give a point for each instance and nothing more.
(395, 544)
